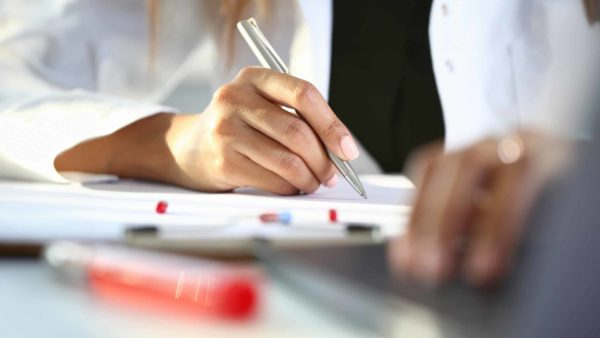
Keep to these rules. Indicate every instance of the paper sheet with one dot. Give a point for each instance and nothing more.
(39, 211)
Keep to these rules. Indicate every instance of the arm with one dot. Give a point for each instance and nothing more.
(243, 138)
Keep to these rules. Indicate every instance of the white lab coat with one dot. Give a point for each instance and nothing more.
(503, 65)
(72, 70)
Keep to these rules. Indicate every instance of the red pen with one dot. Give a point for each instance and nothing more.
(160, 282)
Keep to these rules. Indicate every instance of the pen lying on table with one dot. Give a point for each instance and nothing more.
(270, 59)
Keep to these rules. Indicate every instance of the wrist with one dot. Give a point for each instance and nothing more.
(140, 150)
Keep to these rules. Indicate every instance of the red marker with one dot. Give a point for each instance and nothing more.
(160, 282)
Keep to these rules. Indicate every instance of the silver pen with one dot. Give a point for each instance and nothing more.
(268, 58)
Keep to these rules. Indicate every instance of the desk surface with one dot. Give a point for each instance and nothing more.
(34, 304)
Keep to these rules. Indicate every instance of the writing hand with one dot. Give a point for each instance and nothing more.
(243, 138)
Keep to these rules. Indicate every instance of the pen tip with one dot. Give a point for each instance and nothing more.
(364, 195)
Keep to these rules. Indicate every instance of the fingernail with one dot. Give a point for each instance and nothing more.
(349, 148)
(332, 182)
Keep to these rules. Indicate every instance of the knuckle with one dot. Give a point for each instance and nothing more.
(247, 72)
(222, 128)
(225, 94)
(303, 91)
(290, 163)
(298, 131)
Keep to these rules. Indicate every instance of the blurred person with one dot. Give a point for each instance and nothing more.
(471, 203)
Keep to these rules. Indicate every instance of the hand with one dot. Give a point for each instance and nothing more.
(470, 207)
(243, 138)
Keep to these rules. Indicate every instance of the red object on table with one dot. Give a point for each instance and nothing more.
(163, 283)
(161, 207)
(333, 216)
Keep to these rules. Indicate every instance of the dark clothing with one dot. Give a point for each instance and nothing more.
(382, 83)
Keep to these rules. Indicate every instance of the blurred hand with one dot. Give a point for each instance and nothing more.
(243, 138)
(470, 207)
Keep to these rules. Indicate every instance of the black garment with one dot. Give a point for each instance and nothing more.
(382, 83)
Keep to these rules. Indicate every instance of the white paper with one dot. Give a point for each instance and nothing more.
(40, 211)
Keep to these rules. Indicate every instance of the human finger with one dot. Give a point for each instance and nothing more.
(449, 208)
(429, 257)
(404, 247)
(441, 214)
(301, 95)
(247, 173)
(499, 224)
(278, 159)
(294, 134)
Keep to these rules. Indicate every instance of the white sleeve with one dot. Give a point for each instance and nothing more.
(33, 132)
(569, 82)
(63, 65)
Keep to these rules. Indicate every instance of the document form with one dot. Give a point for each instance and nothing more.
(42, 211)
